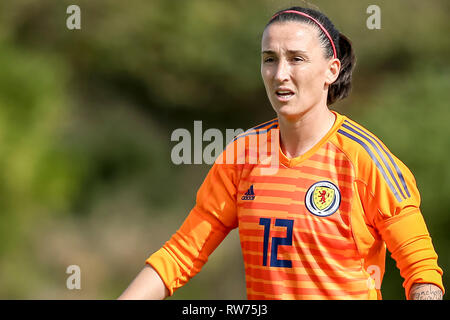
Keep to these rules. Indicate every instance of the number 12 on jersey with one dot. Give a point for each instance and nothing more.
(276, 241)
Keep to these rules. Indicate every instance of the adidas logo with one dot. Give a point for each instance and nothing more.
(249, 195)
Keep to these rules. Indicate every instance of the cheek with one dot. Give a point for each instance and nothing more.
(266, 77)
(311, 79)
(265, 72)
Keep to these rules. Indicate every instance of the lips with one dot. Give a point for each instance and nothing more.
(284, 94)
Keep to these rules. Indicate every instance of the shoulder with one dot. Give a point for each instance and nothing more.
(262, 128)
(372, 159)
(244, 148)
(360, 144)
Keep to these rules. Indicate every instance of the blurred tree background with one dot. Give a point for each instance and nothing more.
(86, 118)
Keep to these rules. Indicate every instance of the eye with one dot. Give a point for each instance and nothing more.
(269, 59)
(298, 59)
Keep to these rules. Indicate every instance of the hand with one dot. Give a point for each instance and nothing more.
(425, 291)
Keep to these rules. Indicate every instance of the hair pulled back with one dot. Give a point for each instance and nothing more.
(340, 88)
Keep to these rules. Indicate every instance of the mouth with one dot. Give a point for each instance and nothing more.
(284, 95)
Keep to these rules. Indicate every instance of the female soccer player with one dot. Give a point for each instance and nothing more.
(318, 226)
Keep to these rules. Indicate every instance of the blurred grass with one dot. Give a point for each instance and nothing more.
(86, 118)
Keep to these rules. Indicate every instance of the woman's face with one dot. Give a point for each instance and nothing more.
(295, 72)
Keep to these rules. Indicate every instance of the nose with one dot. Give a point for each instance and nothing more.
(283, 70)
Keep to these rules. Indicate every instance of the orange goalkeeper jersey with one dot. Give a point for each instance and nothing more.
(312, 227)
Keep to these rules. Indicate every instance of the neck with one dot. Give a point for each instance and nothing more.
(299, 134)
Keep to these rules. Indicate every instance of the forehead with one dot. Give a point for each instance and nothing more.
(289, 34)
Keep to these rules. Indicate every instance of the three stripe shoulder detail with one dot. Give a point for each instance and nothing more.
(262, 128)
(380, 156)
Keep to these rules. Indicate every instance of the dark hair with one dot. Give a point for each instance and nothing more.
(339, 89)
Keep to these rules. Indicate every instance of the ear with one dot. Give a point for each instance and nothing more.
(332, 71)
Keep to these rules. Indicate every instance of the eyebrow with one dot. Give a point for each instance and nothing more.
(289, 51)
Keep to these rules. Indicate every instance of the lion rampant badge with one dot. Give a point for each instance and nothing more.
(323, 198)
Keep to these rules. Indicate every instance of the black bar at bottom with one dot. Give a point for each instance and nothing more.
(216, 309)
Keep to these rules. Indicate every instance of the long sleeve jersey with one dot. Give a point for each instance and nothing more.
(312, 227)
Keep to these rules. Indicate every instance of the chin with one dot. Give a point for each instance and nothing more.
(289, 112)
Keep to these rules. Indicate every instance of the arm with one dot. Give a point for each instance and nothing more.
(146, 286)
(425, 291)
(409, 242)
(182, 257)
(401, 225)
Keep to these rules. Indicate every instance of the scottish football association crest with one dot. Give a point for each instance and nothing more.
(323, 198)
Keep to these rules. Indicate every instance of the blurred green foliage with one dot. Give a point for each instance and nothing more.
(86, 117)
